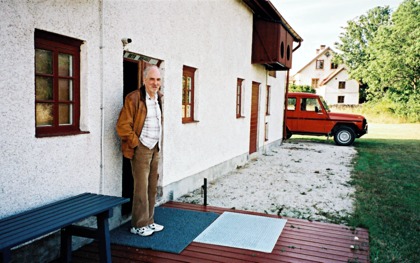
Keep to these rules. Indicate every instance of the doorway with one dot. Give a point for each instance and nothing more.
(133, 67)
(131, 83)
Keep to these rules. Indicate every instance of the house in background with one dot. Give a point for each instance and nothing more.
(67, 65)
(331, 81)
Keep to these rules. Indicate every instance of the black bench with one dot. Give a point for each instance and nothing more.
(26, 226)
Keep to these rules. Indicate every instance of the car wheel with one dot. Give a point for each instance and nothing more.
(344, 136)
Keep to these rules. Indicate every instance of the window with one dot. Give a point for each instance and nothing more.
(188, 94)
(309, 104)
(319, 64)
(57, 84)
(268, 101)
(239, 89)
(340, 99)
(291, 104)
(334, 66)
(341, 85)
(314, 83)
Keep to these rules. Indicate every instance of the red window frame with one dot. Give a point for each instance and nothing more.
(239, 89)
(56, 44)
(268, 101)
(188, 94)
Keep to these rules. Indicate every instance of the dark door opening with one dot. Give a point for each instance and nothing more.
(131, 83)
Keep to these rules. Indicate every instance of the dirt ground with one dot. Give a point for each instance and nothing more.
(296, 179)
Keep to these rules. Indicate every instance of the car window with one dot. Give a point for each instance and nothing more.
(291, 104)
(309, 104)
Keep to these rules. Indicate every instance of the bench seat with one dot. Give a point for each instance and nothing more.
(26, 226)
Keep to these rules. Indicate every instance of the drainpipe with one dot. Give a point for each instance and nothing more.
(285, 96)
(101, 75)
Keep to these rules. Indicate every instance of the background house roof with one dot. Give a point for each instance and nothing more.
(315, 58)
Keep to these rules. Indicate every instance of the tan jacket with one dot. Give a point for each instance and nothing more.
(131, 120)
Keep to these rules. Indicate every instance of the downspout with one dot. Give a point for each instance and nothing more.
(285, 97)
(101, 75)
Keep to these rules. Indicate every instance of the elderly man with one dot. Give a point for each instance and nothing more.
(140, 127)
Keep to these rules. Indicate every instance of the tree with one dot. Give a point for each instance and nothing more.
(383, 52)
(356, 38)
(393, 67)
(301, 88)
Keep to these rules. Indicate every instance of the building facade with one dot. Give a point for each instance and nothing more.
(330, 80)
(67, 65)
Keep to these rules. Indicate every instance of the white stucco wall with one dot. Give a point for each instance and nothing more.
(330, 91)
(35, 171)
(213, 36)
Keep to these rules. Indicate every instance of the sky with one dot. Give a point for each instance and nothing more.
(320, 22)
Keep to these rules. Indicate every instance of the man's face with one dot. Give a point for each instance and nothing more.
(152, 82)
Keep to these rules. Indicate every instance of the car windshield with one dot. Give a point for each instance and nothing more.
(325, 104)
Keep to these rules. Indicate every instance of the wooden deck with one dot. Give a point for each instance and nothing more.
(301, 241)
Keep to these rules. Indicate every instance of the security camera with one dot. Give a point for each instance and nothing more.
(126, 41)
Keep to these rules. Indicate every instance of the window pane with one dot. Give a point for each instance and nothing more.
(188, 111)
(65, 65)
(65, 116)
(183, 111)
(65, 90)
(43, 61)
(43, 88)
(44, 114)
(291, 103)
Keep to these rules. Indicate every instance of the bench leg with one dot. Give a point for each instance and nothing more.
(6, 255)
(66, 245)
(104, 238)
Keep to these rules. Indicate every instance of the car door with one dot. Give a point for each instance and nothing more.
(312, 116)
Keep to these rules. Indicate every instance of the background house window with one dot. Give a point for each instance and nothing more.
(57, 84)
(314, 83)
(341, 84)
(268, 101)
(239, 97)
(319, 64)
(340, 99)
(188, 94)
(334, 66)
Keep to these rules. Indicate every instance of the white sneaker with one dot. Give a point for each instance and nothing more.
(155, 227)
(142, 231)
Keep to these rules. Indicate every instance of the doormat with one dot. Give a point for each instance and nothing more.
(243, 231)
(181, 227)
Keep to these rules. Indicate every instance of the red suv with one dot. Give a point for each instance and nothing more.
(308, 114)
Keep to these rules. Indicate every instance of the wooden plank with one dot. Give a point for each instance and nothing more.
(301, 241)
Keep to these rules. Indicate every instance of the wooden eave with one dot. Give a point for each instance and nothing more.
(273, 37)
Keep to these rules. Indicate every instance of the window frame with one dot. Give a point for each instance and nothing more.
(188, 72)
(315, 83)
(341, 85)
(319, 64)
(333, 65)
(58, 44)
(268, 100)
(340, 99)
(239, 97)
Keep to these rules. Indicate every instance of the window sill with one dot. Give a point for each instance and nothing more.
(240, 117)
(186, 122)
(57, 134)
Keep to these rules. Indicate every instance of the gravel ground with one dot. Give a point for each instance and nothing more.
(296, 179)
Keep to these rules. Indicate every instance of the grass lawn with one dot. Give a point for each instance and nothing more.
(386, 176)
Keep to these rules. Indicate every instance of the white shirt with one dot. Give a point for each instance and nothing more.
(151, 132)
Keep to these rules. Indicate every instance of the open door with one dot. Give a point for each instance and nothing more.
(133, 67)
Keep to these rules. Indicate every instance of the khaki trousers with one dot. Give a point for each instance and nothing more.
(144, 166)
